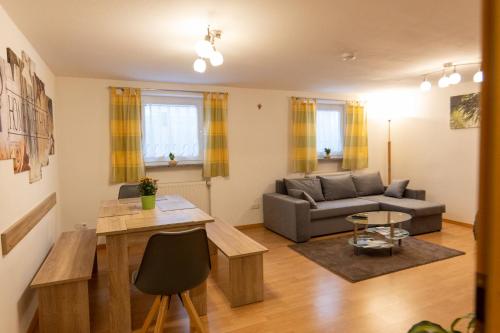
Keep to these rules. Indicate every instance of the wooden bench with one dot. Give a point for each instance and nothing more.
(243, 279)
(62, 283)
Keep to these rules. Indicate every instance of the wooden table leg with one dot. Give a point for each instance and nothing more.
(119, 285)
(198, 296)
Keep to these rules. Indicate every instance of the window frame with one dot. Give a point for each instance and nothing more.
(341, 104)
(174, 98)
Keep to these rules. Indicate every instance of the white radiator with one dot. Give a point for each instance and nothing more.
(196, 192)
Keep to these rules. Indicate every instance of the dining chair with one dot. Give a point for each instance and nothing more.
(173, 263)
(129, 191)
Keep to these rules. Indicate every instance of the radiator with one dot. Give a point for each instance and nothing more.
(196, 192)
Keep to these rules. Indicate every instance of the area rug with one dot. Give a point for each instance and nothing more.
(338, 256)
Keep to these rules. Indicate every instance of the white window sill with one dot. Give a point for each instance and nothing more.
(332, 158)
(180, 164)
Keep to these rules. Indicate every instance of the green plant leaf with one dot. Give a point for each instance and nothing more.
(427, 327)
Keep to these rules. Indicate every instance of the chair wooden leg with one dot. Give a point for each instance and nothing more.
(161, 314)
(151, 315)
(193, 315)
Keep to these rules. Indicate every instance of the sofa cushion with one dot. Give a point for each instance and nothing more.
(311, 186)
(368, 183)
(405, 205)
(304, 196)
(397, 188)
(342, 207)
(338, 187)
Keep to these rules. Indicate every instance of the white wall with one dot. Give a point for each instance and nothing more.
(258, 149)
(443, 161)
(17, 197)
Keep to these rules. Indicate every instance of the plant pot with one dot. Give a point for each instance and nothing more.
(172, 163)
(327, 156)
(148, 202)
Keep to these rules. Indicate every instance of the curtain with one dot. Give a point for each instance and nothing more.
(304, 154)
(356, 138)
(125, 126)
(216, 160)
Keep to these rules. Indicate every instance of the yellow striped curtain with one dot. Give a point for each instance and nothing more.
(216, 161)
(126, 133)
(356, 138)
(304, 154)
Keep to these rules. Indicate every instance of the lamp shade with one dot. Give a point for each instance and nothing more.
(216, 58)
(478, 77)
(200, 65)
(425, 85)
(444, 82)
(455, 78)
(204, 49)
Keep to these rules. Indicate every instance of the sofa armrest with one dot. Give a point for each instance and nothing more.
(287, 216)
(414, 194)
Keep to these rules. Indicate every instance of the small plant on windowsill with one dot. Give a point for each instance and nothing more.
(172, 161)
(148, 188)
(327, 153)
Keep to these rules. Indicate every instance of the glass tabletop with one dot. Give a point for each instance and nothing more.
(378, 218)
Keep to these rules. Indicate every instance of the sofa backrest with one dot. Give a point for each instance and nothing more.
(280, 187)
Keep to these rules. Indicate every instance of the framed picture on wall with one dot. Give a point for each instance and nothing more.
(464, 111)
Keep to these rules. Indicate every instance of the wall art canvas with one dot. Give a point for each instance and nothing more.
(26, 116)
(464, 111)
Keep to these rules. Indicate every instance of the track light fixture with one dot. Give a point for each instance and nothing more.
(205, 49)
(454, 78)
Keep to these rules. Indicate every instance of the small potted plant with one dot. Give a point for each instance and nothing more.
(172, 161)
(327, 152)
(148, 188)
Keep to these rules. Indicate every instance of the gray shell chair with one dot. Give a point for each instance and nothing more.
(173, 263)
(129, 191)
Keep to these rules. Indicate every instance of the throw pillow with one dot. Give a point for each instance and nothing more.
(338, 187)
(397, 188)
(368, 183)
(311, 186)
(304, 196)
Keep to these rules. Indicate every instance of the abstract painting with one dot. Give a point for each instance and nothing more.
(26, 116)
(464, 111)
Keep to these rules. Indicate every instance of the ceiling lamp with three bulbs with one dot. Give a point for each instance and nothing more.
(452, 79)
(205, 49)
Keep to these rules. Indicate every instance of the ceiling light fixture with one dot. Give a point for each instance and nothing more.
(205, 49)
(454, 78)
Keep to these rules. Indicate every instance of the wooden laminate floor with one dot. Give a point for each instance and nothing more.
(301, 296)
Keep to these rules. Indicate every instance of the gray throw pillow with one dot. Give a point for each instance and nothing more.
(368, 183)
(311, 186)
(304, 196)
(397, 188)
(338, 187)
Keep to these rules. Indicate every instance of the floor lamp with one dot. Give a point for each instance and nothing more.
(389, 152)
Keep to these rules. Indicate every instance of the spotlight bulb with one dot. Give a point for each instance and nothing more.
(216, 59)
(444, 82)
(455, 78)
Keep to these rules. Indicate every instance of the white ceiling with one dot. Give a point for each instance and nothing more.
(278, 44)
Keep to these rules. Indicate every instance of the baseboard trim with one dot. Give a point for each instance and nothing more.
(249, 226)
(32, 328)
(463, 224)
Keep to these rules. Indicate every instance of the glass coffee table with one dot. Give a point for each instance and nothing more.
(377, 230)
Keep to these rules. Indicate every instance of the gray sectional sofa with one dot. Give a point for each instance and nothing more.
(309, 213)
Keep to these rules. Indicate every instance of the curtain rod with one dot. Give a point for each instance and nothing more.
(166, 90)
(322, 99)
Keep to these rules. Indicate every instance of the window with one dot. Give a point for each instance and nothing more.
(172, 124)
(329, 128)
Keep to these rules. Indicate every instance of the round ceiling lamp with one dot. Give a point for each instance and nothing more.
(455, 77)
(205, 49)
(200, 65)
(425, 85)
(444, 81)
(478, 77)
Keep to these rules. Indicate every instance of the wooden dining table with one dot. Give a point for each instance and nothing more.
(122, 220)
